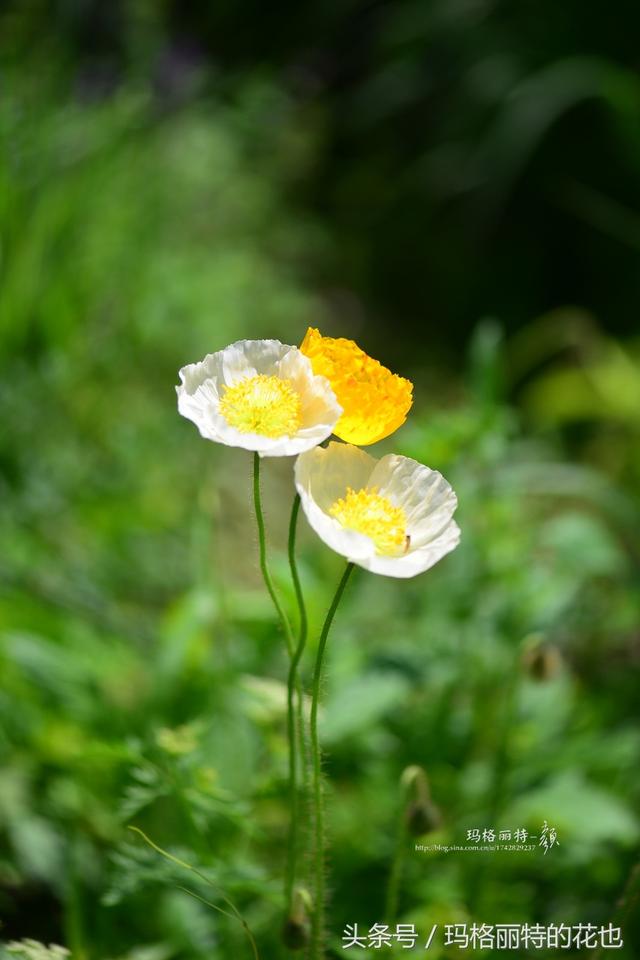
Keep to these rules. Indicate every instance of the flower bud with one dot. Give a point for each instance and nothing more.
(422, 817)
(295, 935)
(421, 814)
(542, 661)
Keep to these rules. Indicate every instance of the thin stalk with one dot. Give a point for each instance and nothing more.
(295, 710)
(292, 843)
(416, 809)
(317, 937)
(393, 886)
(234, 914)
(266, 573)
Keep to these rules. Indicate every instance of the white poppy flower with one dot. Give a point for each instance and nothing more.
(261, 395)
(392, 516)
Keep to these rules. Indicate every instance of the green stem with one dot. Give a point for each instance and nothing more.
(295, 710)
(415, 791)
(294, 656)
(393, 887)
(198, 873)
(318, 913)
(302, 610)
(266, 574)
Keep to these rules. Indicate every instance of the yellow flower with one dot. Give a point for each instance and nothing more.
(375, 402)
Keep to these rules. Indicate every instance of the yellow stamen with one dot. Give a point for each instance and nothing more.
(366, 511)
(375, 402)
(265, 405)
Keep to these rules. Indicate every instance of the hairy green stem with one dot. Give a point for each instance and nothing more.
(294, 657)
(266, 574)
(393, 886)
(296, 709)
(317, 950)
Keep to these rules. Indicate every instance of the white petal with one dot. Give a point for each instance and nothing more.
(319, 404)
(203, 384)
(415, 561)
(323, 475)
(198, 395)
(352, 545)
(246, 358)
(327, 472)
(425, 496)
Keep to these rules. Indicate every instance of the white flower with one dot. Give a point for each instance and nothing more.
(392, 516)
(260, 395)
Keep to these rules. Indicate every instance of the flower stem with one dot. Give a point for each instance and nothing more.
(266, 574)
(317, 950)
(393, 886)
(295, 705)
(294, 656)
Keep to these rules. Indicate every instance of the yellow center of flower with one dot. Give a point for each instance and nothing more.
(375, 402)
(265, 405)
(367, 511)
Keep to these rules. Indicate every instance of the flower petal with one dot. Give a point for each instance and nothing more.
(416, 561)
(375, 401)
(324, 475)
(204, 384)
(425, 496)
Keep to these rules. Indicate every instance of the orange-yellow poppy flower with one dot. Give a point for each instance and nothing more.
(375, 402)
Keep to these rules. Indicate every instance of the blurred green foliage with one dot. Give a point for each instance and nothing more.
(142, 669)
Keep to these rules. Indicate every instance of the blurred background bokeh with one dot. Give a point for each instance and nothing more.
(456, 185)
